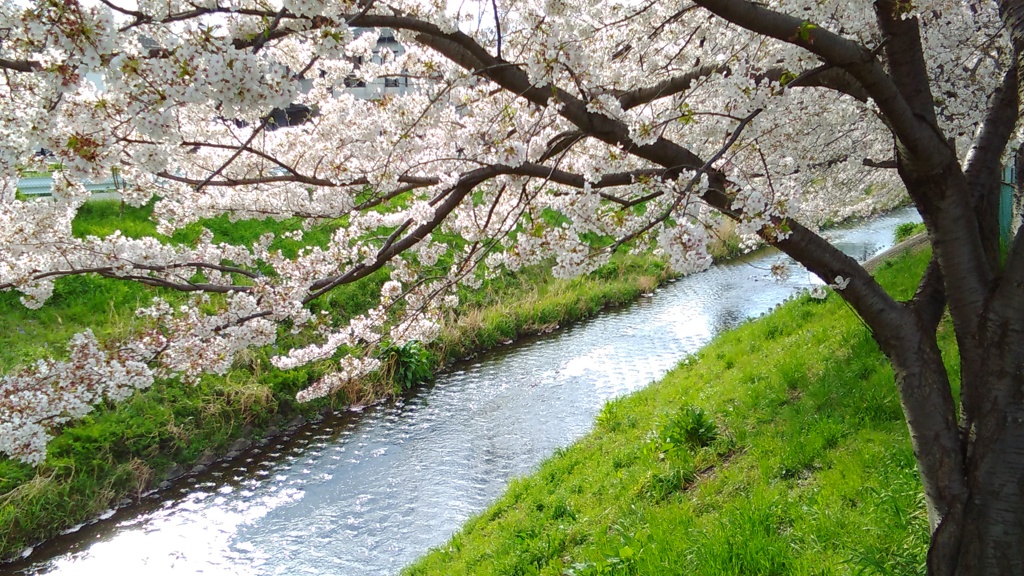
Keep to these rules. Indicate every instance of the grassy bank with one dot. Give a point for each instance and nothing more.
(119, 452)
(780, 448)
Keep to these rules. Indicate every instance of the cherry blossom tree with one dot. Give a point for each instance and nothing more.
(640, 123)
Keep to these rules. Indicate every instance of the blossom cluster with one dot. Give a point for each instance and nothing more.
(50, 393)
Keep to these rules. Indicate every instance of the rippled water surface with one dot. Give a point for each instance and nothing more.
(367, 493)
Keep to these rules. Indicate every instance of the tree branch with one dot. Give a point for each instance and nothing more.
(669, 87)
(825, 76)
(929, 301)
(229, 182)
(887, 164)
(983, 168)
(464, 51)
(905, 58)
(914, 134)
(111, 272)
(20, 65)
(441, 211)
(692, 182)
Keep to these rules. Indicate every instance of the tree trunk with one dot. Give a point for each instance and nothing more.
(972, 472)
(974, 487)
(971, 467)
(927, 401)
(992, 540)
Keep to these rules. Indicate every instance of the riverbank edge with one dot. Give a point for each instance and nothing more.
(808, 468)
(46, 506)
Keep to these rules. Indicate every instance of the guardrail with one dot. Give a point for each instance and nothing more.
(40, 185)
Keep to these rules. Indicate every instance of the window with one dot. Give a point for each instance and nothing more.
(351, 81)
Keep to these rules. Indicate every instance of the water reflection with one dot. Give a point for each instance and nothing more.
(366, 494)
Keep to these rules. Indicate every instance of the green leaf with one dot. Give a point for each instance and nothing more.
(804, 32)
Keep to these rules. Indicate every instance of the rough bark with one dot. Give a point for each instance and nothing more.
(928, 406)
(994, 516)
(973, 476)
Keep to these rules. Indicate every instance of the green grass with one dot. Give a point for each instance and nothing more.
(532, 302)
(809, 469)
(108, 305)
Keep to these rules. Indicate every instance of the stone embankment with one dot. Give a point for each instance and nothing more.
(912, 244)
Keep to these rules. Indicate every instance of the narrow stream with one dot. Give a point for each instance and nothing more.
(366, 493)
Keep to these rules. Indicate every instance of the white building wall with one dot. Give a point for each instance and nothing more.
(381, 86)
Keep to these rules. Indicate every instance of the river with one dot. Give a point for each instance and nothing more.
(366, 493)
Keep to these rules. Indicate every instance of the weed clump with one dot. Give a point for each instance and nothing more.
(691, 428)
(405, 365)
(908, 229)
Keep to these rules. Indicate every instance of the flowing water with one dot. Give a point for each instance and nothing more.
(366, 493)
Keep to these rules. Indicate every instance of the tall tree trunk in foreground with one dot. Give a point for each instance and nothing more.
(993, 524)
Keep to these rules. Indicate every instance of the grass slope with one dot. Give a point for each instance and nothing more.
(779, 448)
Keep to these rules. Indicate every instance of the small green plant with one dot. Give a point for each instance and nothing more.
(405, 365)
(689, 428)
(618, 557)
(908, 229)
(611, 418)
(659, 484)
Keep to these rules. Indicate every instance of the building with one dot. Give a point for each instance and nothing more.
(296, 114)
